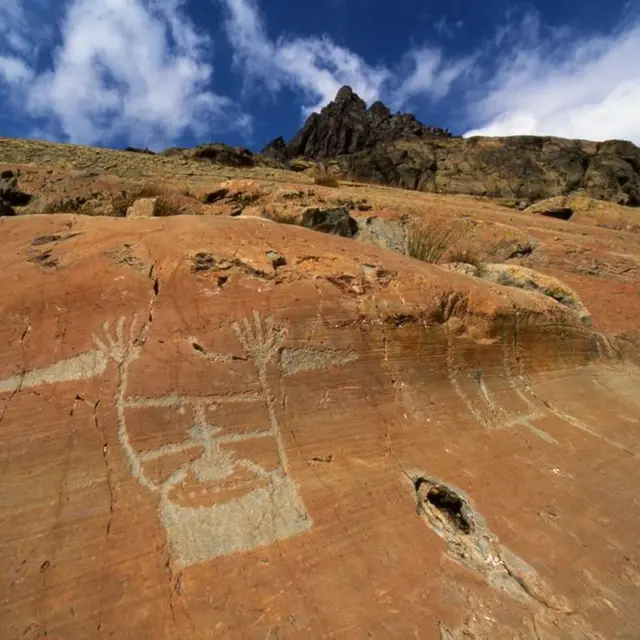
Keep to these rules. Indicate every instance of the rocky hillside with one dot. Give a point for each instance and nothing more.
(375, 145)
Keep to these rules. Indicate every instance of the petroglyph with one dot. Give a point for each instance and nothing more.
(262, 514)
(264, 508)
(83, 367)
(471, 387)
(313, 358)
(540, 407)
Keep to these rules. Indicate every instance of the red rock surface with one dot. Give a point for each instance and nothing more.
(231, 428)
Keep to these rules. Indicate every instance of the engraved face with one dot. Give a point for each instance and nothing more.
(217, 463)
(222, 479)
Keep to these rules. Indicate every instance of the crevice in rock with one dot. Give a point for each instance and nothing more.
(563, 213)
(448, 503)
(105, 452)
(452, 516)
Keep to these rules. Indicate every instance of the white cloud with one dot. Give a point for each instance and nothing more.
(550, 83)
(14, 70)
(430, 74)
(131, 68)
(318, 67)
(315, 65)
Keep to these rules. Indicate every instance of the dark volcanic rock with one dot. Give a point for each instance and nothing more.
(519, 170)
(137, 150)
(6, 209)
(375, 145)
(10, 194)
(224, 154)
(346, 126)
(335, 221)
(276, 150)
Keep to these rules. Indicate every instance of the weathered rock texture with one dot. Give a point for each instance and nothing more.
(519, 169)
(201, 441)
(372, 144)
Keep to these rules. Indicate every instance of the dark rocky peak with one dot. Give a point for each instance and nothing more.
(379, 110)
(346, 96)
(276, 150)
(346, 126)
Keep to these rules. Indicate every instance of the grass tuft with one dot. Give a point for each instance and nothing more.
(429, 241)
(282, 217)
(165, 206)
(323, 178)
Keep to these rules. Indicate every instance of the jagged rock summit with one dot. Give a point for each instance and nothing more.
(372, 144)
(347, 126)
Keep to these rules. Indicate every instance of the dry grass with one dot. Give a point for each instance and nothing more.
(466, 256)
(429, 241)
(68, 205)
(165, 206)
(282, 217)
(323, 178)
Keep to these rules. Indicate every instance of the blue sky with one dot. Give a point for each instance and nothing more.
(159, 73)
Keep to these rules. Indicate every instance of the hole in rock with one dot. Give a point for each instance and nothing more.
(564, 213)
(447, 502)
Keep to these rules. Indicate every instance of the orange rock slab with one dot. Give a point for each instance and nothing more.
(198, 442)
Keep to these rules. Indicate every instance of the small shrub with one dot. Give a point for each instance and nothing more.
(165, 208)
(323, 178)
(429, 241)
(70, 205)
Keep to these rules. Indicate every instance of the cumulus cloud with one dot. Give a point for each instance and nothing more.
(315, 65)
(553, 83)
(14, 70)
(318, 67)
(430, 74)
(135, 69)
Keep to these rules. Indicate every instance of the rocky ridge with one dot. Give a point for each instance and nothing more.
(346, 126)
(396, 149)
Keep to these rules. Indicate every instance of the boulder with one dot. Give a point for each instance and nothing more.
(334, 221)
(223, 154)
(142, 208)
(215, 196)
(138, 150)
(10, 194)
(389, 234)
(510, 275)
(276, 150)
